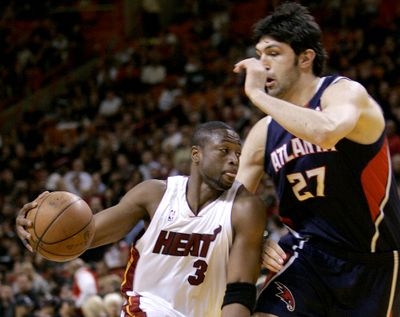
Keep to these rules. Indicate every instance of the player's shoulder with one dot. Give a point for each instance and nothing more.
(249, 210)
(247, 201)
(262, 123)
(257, 134)
(342, 83)
(152, 189)
(155, 185)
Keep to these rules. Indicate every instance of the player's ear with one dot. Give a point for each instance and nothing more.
(306, 58)
(195, 154)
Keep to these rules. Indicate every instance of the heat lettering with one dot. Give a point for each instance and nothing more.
(184, 244)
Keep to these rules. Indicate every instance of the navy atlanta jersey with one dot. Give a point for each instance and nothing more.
(346, 194)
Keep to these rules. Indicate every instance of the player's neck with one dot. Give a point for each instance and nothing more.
(199, 195)
(304, 89)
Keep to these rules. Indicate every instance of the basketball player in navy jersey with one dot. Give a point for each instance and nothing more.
(202, 247)
(323, 144)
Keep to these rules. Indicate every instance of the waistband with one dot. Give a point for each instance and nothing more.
(366, 258)
(369, 258)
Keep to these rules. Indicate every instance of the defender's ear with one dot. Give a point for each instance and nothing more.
(306, 58)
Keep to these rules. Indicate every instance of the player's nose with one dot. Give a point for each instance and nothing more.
(265, 61)
(234, 158)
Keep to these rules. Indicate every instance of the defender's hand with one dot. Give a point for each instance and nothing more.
(273, 256)
(21, 222)
(256, 75)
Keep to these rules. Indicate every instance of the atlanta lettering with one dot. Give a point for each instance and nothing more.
(297, 148)
(184, 244)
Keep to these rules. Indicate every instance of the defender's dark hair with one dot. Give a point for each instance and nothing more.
(205, 130)
(292, 23)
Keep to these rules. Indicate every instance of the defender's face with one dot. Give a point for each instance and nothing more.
(220, 159)
(280, 61)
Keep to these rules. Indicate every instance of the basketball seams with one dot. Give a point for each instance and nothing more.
(38, 239)
(66, 238)
(65, 254)
(53, 221)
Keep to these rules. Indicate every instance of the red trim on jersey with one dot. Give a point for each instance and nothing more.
(374, 180)
(127, 282)
(132, 308)
(270, 275)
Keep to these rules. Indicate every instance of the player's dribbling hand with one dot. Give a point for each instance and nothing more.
(273, 256)
(256, 75)
(21, 222)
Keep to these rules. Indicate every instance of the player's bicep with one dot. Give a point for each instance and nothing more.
(248, 219)
(343, 103)
(113, 223)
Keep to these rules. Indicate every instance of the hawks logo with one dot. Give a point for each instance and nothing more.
(286, 296)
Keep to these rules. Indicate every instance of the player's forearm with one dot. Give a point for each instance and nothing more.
(106, 223)
(307, 124)
(235, 310)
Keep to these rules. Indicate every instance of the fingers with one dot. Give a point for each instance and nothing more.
(27, 245)
(238, 67)
(41, 196)
(273, 256)
(22, 223)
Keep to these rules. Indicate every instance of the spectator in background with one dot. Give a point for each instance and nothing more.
(66, 309)
(24, 306)
(110, 105)
(113, 303)
(84, 282)
(39, 283)
(148, 163)
(93, 306)
(7, 301)
(151, 17)
(77, 180)
(25, 296)
(153, 72)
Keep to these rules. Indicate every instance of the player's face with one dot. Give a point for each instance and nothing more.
(281, 65)
(220, 159)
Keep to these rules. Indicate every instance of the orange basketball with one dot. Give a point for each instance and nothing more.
(62, 226)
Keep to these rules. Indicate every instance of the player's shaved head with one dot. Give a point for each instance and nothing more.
(206, 130)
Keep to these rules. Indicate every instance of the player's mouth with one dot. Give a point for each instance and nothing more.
(270, 82)
(230, 175)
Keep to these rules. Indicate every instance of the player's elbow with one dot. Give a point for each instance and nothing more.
(327, 137)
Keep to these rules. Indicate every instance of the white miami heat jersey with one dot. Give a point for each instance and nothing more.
(179, 266)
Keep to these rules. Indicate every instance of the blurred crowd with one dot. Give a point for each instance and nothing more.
(133, 118)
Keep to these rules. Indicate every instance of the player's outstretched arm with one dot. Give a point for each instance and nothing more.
(248, 221)
(112, 224)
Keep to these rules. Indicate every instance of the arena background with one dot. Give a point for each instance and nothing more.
(96, 96)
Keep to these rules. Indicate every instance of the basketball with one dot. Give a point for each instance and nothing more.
(62, 226)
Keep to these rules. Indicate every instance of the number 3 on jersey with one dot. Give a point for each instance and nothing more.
(301, 182)
(199, 275)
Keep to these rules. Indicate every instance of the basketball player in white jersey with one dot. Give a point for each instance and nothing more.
(200, 253)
